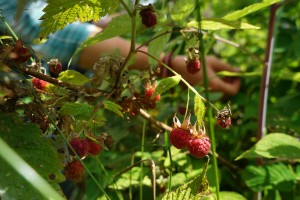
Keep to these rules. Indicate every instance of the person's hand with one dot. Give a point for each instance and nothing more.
(227, 85)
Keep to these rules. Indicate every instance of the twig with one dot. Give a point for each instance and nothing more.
(154, 121)
(49, 79)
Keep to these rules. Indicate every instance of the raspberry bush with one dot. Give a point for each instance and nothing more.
(116, 133)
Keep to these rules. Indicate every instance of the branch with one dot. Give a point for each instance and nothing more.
(49, 79)
(155, 122)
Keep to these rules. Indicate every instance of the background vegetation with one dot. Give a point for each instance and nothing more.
(136, 138)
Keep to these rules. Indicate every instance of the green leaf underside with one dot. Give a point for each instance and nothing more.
(182, 9)
(274, 145)
(276, 176)
(73, 77)
(80, 111)
(249, 9)
(218, 24)
(199, 109)
(59, 13)
(28, 142)
(119, 26)
(166, 84)
(112, 106)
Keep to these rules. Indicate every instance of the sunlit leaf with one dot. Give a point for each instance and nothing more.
(182, 9)
(218, 24)
(249, 9)
(166, 84)
(199, 109)
(73, 77)
(59, 13)
(274, 145)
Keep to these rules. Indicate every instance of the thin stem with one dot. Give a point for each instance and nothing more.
(210, 115)
(264, 87)
(154, 38)
(9, 28)
(187, 103)
(126, 8)
(130, 180)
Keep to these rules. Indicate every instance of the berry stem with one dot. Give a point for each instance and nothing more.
(209, 111)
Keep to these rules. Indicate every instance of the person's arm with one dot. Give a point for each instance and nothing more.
(92, 53)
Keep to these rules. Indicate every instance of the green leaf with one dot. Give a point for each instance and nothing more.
(274, 145)
(156, 47)
(238, 74)
(249, 9)
(112, 106)
(197, 188)
(226, 195)
(80, 111)
(276, 176)
(182, 9)
(59, 13)
(217, 24)
(199, 109)
(31, 155)
(118, 26)
(166, 84)
(73, 77)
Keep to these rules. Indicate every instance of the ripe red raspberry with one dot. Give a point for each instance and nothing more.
(74, 171)
(148, 16)
(39, 84)
(81, 147)
(224, 123)
(199, 146)
(55, 66)
(95, 148)
(193, 65)
(149, 90)
(223, 117)
(179, 138)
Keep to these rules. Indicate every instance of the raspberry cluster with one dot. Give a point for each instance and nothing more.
(184, 135)
(88, 146)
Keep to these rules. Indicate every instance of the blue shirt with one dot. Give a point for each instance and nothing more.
(61, 45)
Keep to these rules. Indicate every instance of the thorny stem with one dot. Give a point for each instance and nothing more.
(182, 79)
(133, 37)
(211, 127)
